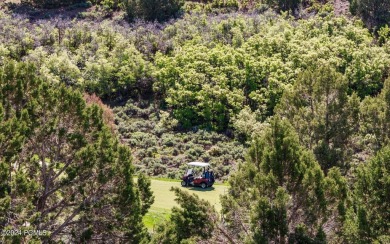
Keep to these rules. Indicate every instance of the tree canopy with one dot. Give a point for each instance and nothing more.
(193, 221)
(281, 193)
(61, 168)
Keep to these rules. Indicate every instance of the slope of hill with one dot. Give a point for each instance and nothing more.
(341, 7)
(289, 101)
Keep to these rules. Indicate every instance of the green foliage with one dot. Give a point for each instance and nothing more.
(152, 10)
(116, 72)
(270, 218)
(280, 189)
(322, 112)
(374, 120)
(161, 150)
(208, 81)
(199, 84)
(384, 34)
(246, 124)
(368, 219)
(244, 60)
(300, 236)
(306, 95)
(60, 166)
(162, 9)
(194, 220)
(284, 5)
(109, 4)
(146, 195)
(375, 11)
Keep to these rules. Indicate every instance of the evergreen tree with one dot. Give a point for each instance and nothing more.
(194, 220)
(61, 168)
(375, 120)
(159, 9)
(375, 11)
(323, 114)
(146, 194)
(368, 219)
(281, 190)
(152, 10)
(285, 5)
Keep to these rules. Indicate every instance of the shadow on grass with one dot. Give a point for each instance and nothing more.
(198, 188)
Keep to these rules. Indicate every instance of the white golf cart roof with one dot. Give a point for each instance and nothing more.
(201, 164)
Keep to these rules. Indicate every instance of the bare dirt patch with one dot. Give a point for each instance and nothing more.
(341, 7)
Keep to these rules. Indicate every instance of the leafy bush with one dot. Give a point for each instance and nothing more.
(285, 5)
(152, 10)
(193, 221)
(163, 154)
(368, 217)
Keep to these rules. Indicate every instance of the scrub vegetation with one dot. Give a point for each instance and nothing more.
(288, 101)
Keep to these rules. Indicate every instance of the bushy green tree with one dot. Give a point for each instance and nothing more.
(109, 4)
(281, 190)
(203, 86)
(246, 124)
(323, 113)
(194, 220)
(61, 168)
(368, 219)
(375, 120)
(285, 5)
(375, 11)
(118, 71)
(152, 10)
(159, 9)
(146, 194)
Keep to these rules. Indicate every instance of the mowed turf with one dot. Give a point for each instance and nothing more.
(165, 199)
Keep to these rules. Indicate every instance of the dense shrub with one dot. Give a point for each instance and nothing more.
(376, 12)
(285, 5)
(207, 82)
(162, 154)
(152, 10)
(368, 218)
(193, 222)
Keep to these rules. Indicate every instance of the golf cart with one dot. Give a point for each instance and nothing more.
(204, 179)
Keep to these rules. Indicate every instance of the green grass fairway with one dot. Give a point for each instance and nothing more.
(165, 199)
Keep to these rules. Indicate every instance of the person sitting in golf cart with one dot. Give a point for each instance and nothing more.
(206, 174)
(190, 175)
(209, 175)
(205, 179)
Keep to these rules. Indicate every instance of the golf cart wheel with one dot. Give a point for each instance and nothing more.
(203, 185)
(183, 183)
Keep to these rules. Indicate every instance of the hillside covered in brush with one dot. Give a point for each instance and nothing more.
(289, 101)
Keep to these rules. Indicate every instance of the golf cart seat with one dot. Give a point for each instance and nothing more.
(189, 172)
